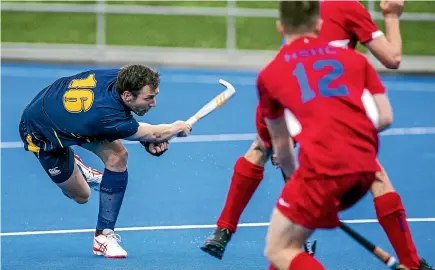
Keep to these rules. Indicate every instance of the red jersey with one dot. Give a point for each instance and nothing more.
(346, 22)
(319, 89)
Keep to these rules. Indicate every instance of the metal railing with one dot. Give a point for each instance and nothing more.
(230, 12)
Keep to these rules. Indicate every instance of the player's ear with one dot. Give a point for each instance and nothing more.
(319, 24)
(126, 96)
(279, 27)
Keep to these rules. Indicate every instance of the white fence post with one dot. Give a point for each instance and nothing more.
(371, 7)
(101, 25)
(231, 26)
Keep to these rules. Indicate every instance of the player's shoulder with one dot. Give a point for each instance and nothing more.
(274, 64)
(343, 10)
(266, 69)
(106, 72)
(331, 6)
(94, 78)
(102, 74)
(95, 73)
(268, 74)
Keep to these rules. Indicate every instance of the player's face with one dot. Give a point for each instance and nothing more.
(145, 100)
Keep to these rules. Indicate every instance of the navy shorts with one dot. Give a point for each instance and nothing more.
(57, 163)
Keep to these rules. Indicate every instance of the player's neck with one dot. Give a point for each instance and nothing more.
(289, 38)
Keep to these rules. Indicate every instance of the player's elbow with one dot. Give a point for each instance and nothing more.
(388, 119)
(385, 121)
(393, 62)
(385, 52)
(385, 112)
(392, 59)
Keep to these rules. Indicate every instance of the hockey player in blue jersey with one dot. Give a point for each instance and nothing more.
(93, 110)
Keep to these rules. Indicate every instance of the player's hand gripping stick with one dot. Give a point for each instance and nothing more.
(212, 105)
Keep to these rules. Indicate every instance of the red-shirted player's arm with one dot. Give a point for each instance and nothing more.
(269, 106)
(388, 50)
(273, 114)
(359, 22)
(376, 88)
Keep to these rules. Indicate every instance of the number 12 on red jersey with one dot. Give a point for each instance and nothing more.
(307, 93)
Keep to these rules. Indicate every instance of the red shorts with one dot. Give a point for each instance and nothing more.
(262, 130)
(315, 202)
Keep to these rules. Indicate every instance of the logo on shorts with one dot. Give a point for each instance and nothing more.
(283, 203)
(55, 171)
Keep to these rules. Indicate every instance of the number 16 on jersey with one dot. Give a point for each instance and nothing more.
(79, 97)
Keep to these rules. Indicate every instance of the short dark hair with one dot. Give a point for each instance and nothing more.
(134, 77)
(298, 15)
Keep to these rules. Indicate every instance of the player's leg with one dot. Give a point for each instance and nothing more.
(303, 206)
(60, 163)
(63, 167)
(112, 189)
(76, 187)
(283, 245)
(92, 176)
(247, 175)
(392, 217)
(60, 166)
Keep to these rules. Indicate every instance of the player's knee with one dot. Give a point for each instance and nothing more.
(270, 253)
(117, 161)
(81, 199)
(258, 153)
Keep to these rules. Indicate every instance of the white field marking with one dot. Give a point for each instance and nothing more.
(251, 136)
(189, 227)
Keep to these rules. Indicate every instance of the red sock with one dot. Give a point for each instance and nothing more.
(392, 217)
(303, 261)
(271, 267)
(245, 180)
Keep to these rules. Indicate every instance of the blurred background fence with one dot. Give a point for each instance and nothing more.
(236, 34)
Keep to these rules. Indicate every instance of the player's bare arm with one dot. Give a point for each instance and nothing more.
(160, 133)
(282, 146)
(381, 102)
(388, 49)
(385, 111)
(274, 158)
